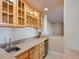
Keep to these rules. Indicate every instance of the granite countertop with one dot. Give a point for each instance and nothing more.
(26, 45)
(5, 55)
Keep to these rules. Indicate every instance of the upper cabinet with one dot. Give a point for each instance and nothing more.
(31, 20)
(32, 17)
(7, 13)
(18, 13)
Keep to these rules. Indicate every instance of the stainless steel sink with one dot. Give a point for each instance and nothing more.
(12, 49)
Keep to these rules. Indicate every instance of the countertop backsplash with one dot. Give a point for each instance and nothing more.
(16, 34)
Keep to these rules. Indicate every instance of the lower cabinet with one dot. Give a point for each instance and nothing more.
(22, 56)
(41, 51)
(37, 52)
(34, 55)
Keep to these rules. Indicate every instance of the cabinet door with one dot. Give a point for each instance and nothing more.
(23, 56)
(41, 51)
(41, 54)
(20, 13)
(26, 58)
(20, 57)
(7, 12)
(34, 55)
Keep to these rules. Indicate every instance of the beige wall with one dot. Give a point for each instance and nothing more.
(56, 44)
(71, 24)
(58, 29)
(55, 29)
(50, 28)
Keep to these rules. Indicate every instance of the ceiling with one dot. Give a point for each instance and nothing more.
(55, 12)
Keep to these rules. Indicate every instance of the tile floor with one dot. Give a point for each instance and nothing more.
(54, 55)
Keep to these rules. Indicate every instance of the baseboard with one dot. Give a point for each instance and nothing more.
(57, 53)
(71, 54)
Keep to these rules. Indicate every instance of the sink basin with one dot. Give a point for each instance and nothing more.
(12, 49)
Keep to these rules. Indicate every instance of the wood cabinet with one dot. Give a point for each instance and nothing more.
(35, 55)
(36, 52)
(31, 20)
(22, 56)
(16, 13)
(7, 13)
(20, 6)
(41, 21)
(41, 51)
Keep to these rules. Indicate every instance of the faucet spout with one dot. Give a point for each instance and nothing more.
(10, 43)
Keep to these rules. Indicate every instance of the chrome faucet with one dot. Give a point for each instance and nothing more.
(10, 43)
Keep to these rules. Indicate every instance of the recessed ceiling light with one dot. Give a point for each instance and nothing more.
(46, 9)
(11, 0)
(31, 12)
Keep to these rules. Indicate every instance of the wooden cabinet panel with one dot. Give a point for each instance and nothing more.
(35, 55)
(31, 20)
(20, 11)
(15, 13)
(41, 51)
(33, 49)
(36, 52)
(22, 56)
(7, 11)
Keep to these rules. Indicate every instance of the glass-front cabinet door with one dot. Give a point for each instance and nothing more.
(20, 13)
(7, 13)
